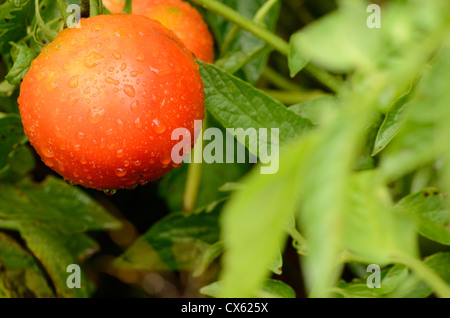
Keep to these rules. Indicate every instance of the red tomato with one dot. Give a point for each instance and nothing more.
(100, 102)
(178, 16)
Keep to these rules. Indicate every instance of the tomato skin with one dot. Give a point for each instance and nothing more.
(178, 16)
(100, 102)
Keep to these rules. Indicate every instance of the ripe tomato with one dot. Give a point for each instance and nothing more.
(178, 16)
(100, 102)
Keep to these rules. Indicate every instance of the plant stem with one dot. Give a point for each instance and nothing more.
(441, 288)
(272, 39)
(62, 6)
(279, 80)
(260, 16)
(246, 24)
(294, 97)
(194, 175)
(46, 31)
(192, 186)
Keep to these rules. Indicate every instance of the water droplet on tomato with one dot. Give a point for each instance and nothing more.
(166, 159)
(135, 106)
(111, 80)
(129, 90)
(96, 114)
(140, 58)
(138, 123)
(119, 153)
(93, 59)
(77, 147)
(47, 152)
(117, 55)
(120, 172)
(158, 127)
(137, 163)
(83, 161)
(73, 82)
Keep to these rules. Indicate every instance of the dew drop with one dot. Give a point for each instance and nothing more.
(81, 135)
(135, 106)
(137, 163)
(73, 82)
(140, 58)
(126, 163)
(123, 67)
(60, 166)
(102, 143)
(83, 161)
(158, 127)
(121, 172)
(166, 159)
(47, 152)
(138, 123)
(96, 114)
(129, 90)
(119, 153)
(73, 99)
(77, 147)
(93, 59)
(98, 27)
(111, 80)
(117, 55)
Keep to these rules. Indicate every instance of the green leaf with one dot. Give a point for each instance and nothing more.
(22, 56)
(373, 230)
(20, 162)
(13, 22)
(178, 241)
(392, 278)
(267, 202)
(392, 124)
(429, 208)
(316, 110)
(11, 134)
(52, 218)
(271, 288)
(296, 60)
(276, 265)
(413, 287)
(235, 103)
(344, 33)
(20, 275)
(423, 138)
(243, 41)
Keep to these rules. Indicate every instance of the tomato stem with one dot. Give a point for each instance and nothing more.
(48, 33)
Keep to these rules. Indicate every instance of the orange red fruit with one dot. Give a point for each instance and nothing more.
(100, 102)
(180, 17)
